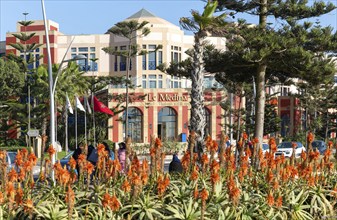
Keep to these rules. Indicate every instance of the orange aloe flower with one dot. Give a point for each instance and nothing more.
(126, 186)
(196, 192)
(10, 190)
(303, 155)
(269, 176)
(101, 150)
(311, 180)
(70, 195)
(270, 199)
(215, 178)
(208, 142)
(204, 194)
(28, 206)
(2, 155)
(72, 163)
(152, 152)
(19, 196)
(204, 159)
(114, 203)
(215, 166)
(276, 184)
(158, 143)
(314, 155)
(145, 165)
(144, 177)
(51, 151)
(310, 137)
(330, 144)
(278, 202)
(244, 136)
(194, 174)
(2, 199)
(135, 179)
(272, 145)
(89, 168)
(214, 146)
(106, 200)
(32, 158)
(28, 166)
(18, 159)
(12, 175)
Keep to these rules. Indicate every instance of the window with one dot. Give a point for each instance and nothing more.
(37, 50)
(93, 65)
(160, 81)
(73, 49)
(144, 61)
(144, 46)
(83, 63)
(122, 63)
(123, 47)
(135, 124)
(175, 82)
(175, 54)
(152, 60)
(152, 81)
(167, 123)
(152, 47)
(82, 49)
(92, 49)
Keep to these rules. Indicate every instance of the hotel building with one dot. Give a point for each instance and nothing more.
(165, 112)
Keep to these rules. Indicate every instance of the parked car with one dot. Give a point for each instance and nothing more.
(65, 160)
(286, 149)
(319, 145)
(10, 158)
(265, 148)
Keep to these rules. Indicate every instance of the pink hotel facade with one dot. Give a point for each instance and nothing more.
(165, 112)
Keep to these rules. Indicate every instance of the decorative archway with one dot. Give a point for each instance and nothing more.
(167, 124)
(135, 124)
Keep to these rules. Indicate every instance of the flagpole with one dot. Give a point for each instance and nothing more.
(93, 117)
(66, 127)
(76, 124)
(85, 124)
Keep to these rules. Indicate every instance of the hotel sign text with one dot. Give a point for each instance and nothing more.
(166, 97)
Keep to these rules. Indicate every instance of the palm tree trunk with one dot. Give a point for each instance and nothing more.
(198, 118)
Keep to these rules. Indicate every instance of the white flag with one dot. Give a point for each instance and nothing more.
(68, 105)
(79, 105)
(87, 104)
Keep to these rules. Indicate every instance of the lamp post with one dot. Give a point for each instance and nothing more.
(52, 86)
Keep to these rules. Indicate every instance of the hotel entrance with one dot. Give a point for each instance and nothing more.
(167, 124)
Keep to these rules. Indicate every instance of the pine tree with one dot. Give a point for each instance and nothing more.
(292, 49)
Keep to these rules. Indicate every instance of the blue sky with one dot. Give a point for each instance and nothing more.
(95, 16)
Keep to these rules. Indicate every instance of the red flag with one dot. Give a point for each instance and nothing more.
(100, 107)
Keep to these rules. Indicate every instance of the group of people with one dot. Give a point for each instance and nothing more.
(92, 156)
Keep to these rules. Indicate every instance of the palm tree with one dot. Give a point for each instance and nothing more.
(201, 25)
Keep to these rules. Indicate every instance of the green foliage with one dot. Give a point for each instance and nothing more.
(12, 80)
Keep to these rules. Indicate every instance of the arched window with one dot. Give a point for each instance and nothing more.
(135, 124)
(208, 127)
(167, 124)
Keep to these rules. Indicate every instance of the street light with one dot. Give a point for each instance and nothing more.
(52, 86)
